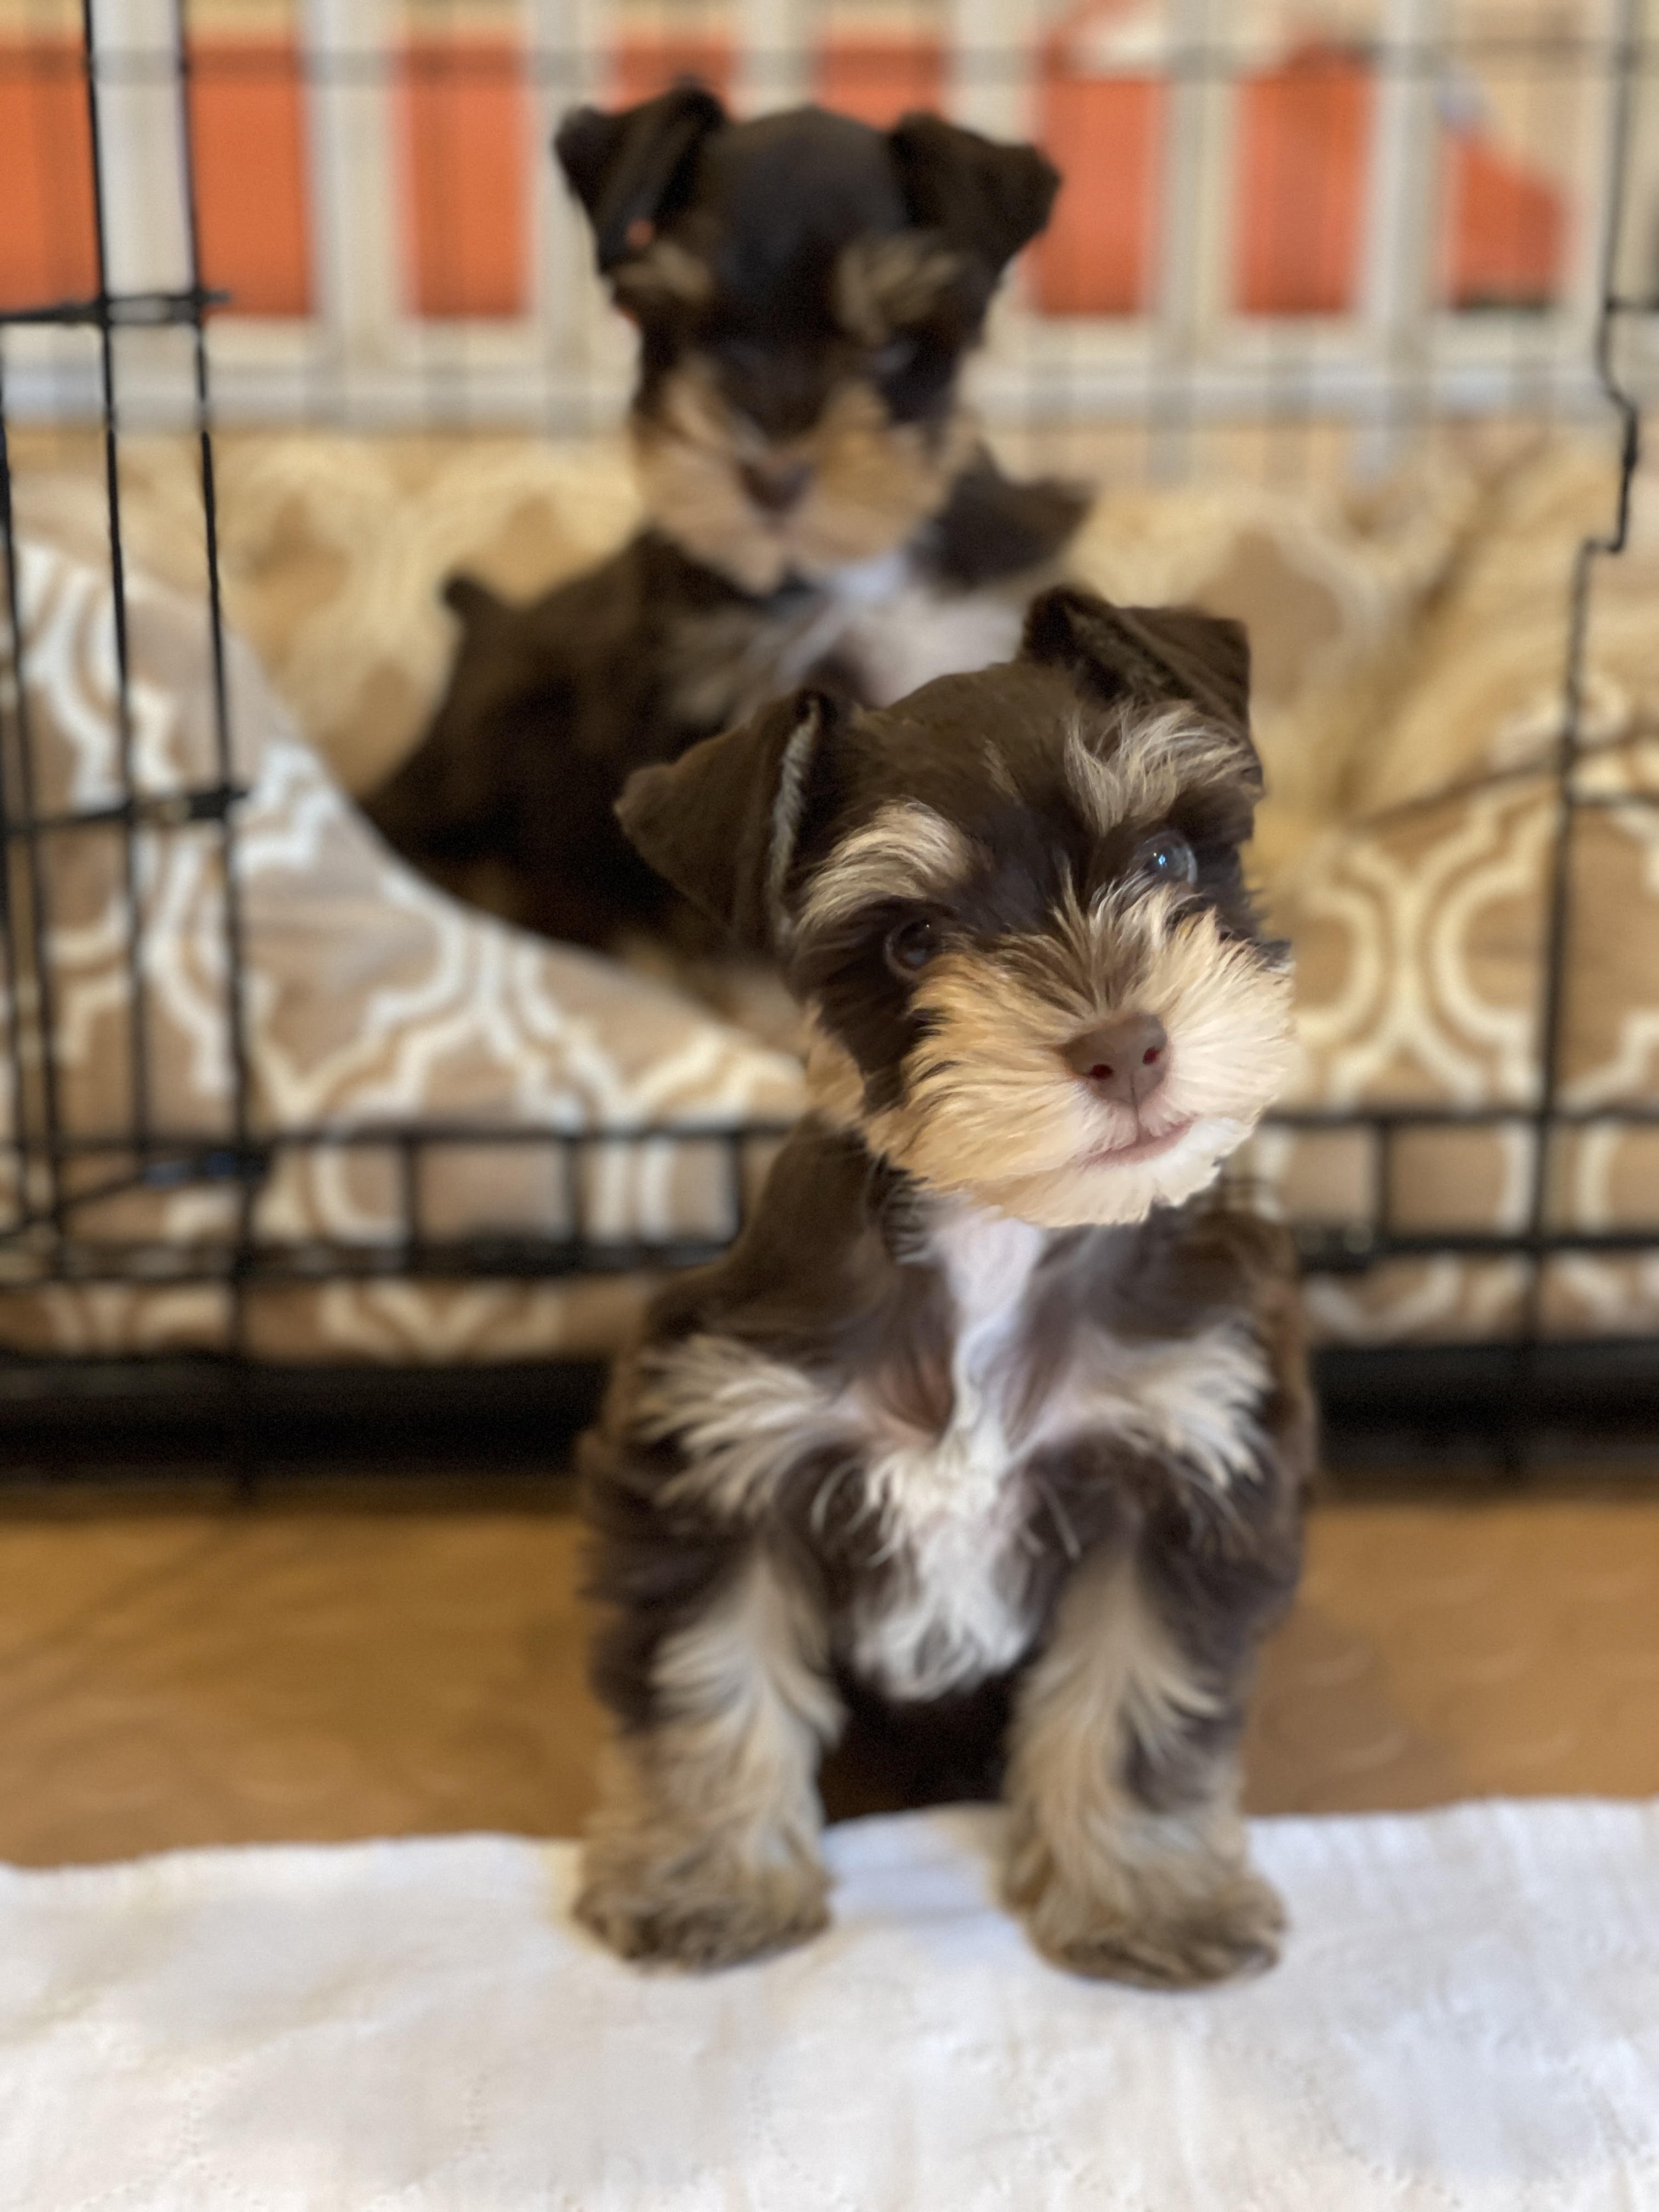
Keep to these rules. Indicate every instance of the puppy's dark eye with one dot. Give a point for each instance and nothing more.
(911, 946)
(894, 357)
(1167, 858)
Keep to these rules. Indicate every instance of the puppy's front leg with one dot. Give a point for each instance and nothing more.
(1128, 1855)
(704, 1849)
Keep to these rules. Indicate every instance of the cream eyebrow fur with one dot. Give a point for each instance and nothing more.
(1147, 767)
(908, 851)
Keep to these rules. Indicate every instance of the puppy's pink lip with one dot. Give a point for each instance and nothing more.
(1138, 1148)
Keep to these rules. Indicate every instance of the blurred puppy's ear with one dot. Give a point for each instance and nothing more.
(473, 601)
(628, 169)
(984, 199)
(723, 822)
(1152, 655)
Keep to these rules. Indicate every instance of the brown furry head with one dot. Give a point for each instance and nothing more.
(1014, 905)
(806, 288)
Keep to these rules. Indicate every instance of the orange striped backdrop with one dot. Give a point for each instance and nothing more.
(463, 133)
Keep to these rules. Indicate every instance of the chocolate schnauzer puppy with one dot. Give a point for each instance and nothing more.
(986, 1392)
(818, 507)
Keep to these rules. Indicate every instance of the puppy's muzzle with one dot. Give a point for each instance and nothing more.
(776, 486)
(1124, 1061)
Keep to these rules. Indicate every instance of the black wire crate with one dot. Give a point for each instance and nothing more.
(64, 1181)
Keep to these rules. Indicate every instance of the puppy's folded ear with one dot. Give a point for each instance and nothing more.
(985, 199)
(723, 822)
(626, 169)
(1151, 654)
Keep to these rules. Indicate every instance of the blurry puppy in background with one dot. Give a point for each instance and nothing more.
(818, 505)
(994, 1412)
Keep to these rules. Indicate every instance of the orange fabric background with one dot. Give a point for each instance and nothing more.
(1105, 135)
(465, 153)
(252, 201)
(1304, 151)
(879, 80)
(47, 246)
(463, 137)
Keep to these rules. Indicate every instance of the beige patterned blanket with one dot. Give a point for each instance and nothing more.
(1407, 644)
(372, 1004)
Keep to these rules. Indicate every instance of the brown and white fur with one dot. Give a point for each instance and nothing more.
(994, 1408)
(818, 507)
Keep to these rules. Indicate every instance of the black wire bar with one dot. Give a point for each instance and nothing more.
(133, 310)
(32, 1012)
(137, 992)
(1569, 743)
(178, 1159)
(235, 941)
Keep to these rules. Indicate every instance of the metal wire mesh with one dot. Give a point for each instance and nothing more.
(1170, 379)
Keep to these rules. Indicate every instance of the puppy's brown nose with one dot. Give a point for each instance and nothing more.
(775, 486)
(1125, 1059)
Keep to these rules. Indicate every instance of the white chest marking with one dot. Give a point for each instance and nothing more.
(905, 631)
(894, 629)
(951, 1508)
(899, 630)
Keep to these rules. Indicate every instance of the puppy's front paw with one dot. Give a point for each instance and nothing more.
(704, 1913)
(1162, 1928)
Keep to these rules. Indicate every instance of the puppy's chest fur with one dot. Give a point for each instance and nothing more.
(884, 627)
(948, 1532)
(950, 1510)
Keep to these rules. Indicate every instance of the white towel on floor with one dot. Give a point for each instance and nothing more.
(1467, 2014)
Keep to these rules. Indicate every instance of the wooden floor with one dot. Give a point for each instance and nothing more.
(179, 1678)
